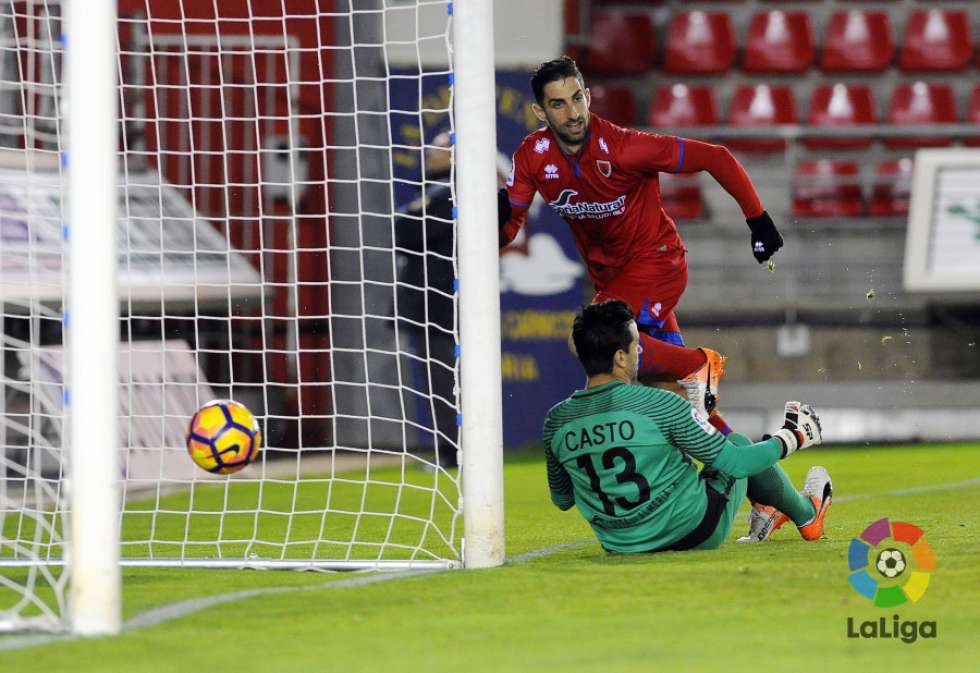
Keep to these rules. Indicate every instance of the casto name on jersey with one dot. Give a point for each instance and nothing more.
(586, 209)
(612, 432)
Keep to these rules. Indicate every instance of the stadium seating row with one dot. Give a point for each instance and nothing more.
(766, 105)
(821, 188)
(826, 188)
(779, 42)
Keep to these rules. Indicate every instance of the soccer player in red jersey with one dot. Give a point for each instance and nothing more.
(602, 180)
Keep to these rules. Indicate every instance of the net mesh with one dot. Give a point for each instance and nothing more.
(285, 240)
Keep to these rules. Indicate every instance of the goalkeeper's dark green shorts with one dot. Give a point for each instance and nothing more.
(734, 490)
(725, 495)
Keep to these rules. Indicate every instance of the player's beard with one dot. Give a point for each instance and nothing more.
(563, 135)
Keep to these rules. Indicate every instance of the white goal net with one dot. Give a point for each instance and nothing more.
(284, 241)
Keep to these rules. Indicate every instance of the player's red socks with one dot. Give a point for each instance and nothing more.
(662, 358)
(720, 425)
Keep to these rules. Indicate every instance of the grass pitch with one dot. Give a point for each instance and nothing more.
(564, 605)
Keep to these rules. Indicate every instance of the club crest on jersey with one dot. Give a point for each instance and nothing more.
(602, 145)
(551, 172)
(587, 209)
(604, 167)
(541, 146)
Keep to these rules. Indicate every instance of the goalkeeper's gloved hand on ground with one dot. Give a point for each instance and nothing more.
(503, 207)
(801, 428)
(765, 239)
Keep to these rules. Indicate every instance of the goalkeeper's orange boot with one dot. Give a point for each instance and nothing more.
(763, 522)
(702, 385)
(820, 490)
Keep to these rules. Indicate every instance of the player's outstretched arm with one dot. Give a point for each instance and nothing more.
(801, 430)
(729, 173)
(691, 432)
(686, 429)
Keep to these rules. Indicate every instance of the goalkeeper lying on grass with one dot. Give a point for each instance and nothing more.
(622, 454)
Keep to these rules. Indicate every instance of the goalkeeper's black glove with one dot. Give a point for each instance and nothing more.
(503, 207)
(801, 428)
(765, 239)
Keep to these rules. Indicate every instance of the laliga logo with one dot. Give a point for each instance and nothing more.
(890, 564)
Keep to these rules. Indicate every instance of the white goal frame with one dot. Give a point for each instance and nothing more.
(95, 595)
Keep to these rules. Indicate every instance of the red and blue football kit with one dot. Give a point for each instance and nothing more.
(609, 194)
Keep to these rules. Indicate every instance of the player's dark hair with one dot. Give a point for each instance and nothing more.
(599, 331)
(554, 71)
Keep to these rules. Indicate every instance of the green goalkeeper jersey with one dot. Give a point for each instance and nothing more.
(622, 454)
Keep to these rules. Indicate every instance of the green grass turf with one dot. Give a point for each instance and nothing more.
(393, 513)
(778, 606)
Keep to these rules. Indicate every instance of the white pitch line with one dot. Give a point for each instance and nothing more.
(548, 551)
(172, 611)
(166, 613)
(180, 609)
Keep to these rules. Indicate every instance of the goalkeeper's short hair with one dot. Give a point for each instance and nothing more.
(599, 331)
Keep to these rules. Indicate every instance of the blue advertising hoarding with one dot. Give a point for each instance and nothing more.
(542, 279)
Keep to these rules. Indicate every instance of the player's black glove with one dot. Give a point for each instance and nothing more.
(503, 207)
(801, 428)
(765, 239)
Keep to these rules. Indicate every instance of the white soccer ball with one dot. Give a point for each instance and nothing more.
(891, 563)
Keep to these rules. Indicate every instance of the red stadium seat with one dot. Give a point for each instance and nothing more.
(857, 41)
(936, 40)
(921, 103)
(681, 196)
(892, 188)
(621, 43)
(841, 105)
(825, 188)
(700, 43)
(973, 117)
(762, 105)
(615, 103)
(681, 105)
(779, 42)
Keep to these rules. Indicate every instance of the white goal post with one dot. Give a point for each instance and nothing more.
(215, 200)
(91, 332)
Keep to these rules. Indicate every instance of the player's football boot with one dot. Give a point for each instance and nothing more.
(819, 489)
(763, 522)
(702, 385)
